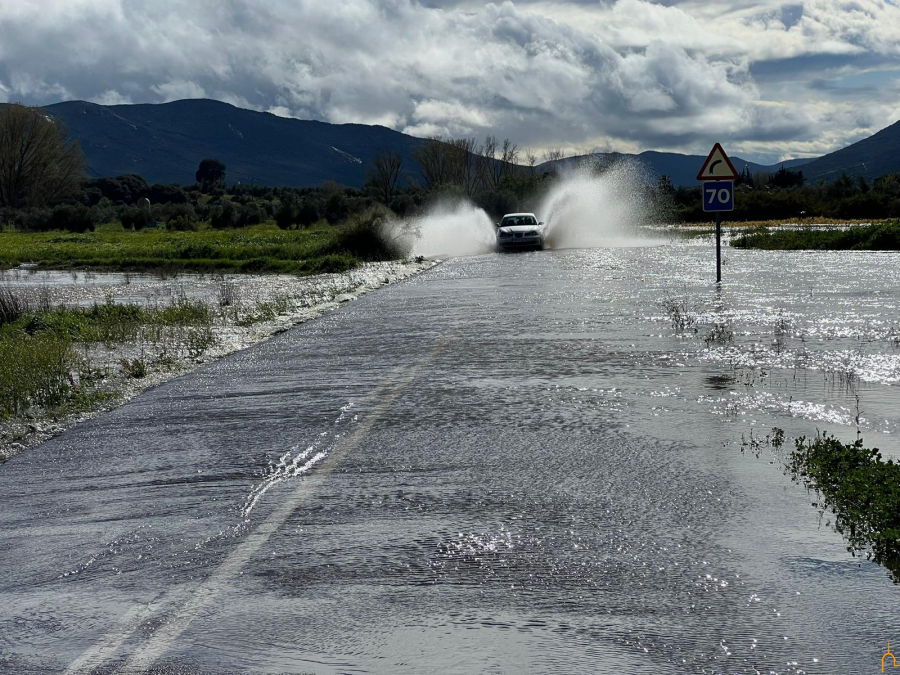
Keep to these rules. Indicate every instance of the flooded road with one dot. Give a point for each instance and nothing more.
(508, 464)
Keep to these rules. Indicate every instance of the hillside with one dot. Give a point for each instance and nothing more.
(165, 143)
(871, 157)
(682, 169)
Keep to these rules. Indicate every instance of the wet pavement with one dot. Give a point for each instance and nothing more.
(508, 464)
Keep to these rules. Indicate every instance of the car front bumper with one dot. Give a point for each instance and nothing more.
(519, 242)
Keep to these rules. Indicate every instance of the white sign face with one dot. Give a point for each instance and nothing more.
(717, 166)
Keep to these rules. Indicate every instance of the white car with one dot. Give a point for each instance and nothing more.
(519, 231)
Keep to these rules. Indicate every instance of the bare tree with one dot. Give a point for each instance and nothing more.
(385, 174)
(38, 164)
(510, 158)
(531, 159)
(463, 164)
(432, 157)
(553, 154)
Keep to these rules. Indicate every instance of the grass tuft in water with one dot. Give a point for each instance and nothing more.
(681, 314)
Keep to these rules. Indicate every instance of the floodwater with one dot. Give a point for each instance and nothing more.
(508, 464)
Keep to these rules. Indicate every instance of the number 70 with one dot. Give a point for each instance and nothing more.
(724, 195)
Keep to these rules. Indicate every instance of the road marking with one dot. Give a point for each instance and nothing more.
(388, 390)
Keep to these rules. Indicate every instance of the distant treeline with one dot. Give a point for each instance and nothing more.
(43, 186)
(785, 195)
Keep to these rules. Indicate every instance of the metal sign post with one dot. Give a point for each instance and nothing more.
(718, 175)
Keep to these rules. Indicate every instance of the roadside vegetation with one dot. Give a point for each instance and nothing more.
(876, 237)
(45, 352)
(257, 248)
(860, 489)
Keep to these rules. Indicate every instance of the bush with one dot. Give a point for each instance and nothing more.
(159, 193)
(127, 188)
(168, 212)
(498, 202)
(224, 216)
(72, 217)
(309, 212)
(183, 224)
(287, 213)
(251, 214)
(402, 205)
(134, 218)
(336, 208)
(364, 237)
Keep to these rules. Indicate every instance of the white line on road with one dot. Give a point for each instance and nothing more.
(156, 646)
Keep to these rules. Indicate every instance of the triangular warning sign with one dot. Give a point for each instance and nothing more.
(717, 166)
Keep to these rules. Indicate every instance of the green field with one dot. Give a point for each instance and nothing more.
(257, 248)
(877, 237)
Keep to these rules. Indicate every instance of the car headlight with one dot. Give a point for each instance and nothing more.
(532, 233)
(505, 234)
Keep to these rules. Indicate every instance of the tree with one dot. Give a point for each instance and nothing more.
(210, 172)
(745, 177)
(665, 185)
(531, 159)
(462, 169)
(127, 188)
(553, 155)
(384, 175)
(785, 178)
(432, 158)
(38, 164)
(510, 157)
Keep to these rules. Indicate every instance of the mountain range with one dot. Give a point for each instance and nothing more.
(165, 142)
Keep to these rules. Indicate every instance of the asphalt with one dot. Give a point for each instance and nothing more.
(504, 464)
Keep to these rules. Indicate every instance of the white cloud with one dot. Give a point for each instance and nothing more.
(630, 74)
(175, 90)
(111, 97)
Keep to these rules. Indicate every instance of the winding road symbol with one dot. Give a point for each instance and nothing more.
(717, 166)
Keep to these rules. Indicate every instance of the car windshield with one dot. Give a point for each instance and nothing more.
(509, 221)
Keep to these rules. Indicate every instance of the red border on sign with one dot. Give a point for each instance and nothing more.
(734, 173)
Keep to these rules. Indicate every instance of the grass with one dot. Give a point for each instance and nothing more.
(258, 248)
(40, 366)
(862, 491)
(879, 237)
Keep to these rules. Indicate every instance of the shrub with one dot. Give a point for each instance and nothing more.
(71, 217)
(251, 214)
(159, 193)
(183, 224)
(336, 208)
(168, 212)
(127, 188)
(309, 212)
(224, 216)
(287, 213)
(402, 205)
(365, 237)
(134, 218)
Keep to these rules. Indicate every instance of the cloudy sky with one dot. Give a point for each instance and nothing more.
(770, 79)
